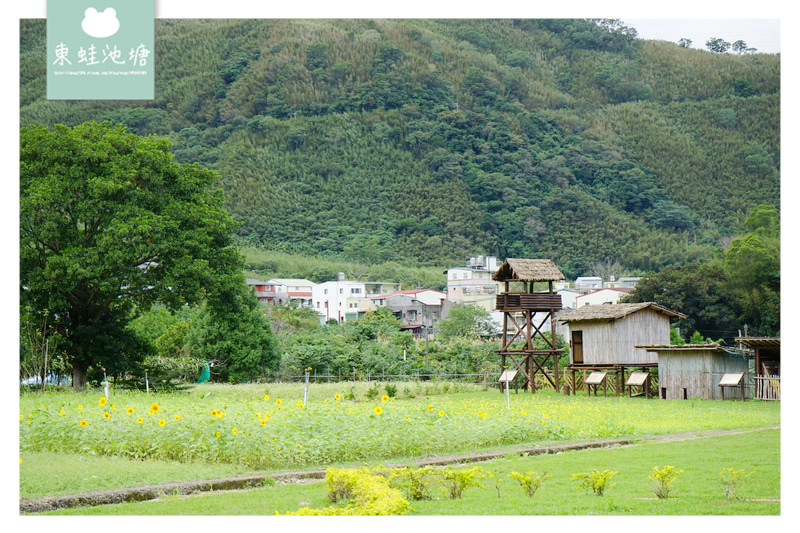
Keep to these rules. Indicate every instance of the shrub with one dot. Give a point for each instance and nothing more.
(366, 492)
(414, 482)
(391, 390)
(730, 481)
(598, 481)
(457, 481)
(373, 391)
(662, 480)
(530, 481)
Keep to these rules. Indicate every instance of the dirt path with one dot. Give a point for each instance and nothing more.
(151, 492)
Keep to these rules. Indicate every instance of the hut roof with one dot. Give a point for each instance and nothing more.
(678, 347)
(528, 270)
(759, 342)
(613, 311)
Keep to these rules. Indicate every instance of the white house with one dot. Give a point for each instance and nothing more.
(601, 296)
(344, 299)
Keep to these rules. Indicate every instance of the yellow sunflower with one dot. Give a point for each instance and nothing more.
(129, 410)
(106, 415)
(441, 413)
(384, 398)
(139, 420)
(162, 422)
(278, 401)
(266, 397)
(83, 423)
(337, 396)
(102, 401)
(154, 408)
(378, 409)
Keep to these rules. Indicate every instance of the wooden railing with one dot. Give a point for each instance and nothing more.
(767, 388)
(511, 301)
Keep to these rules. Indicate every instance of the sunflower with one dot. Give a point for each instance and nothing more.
(430, 408)
(153, 408)
(61, 412)
(262, 421)
(337, 396)
(278, 401)
(162, 422)
(234, 432)
(214, 412)
(378, 409)
(266, 397)
(217, 434)
(102, 401)
(129, 410)
(106, 415)
(441, 413)
(139, 420)
(384, 398)
(300, 404)
(83, 423)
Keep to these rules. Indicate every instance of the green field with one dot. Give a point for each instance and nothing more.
(216, 430)
(696, 491)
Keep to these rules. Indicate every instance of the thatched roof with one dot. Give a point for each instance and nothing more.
(613, 312)
(528, 270)
(678, 347)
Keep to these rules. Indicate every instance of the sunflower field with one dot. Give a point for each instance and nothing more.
(259, 429)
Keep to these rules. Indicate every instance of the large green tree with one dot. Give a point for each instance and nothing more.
(109, 223)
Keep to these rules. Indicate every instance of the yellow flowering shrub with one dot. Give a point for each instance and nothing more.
(367, 492)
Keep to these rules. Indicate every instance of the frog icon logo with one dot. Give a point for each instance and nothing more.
(102, 24)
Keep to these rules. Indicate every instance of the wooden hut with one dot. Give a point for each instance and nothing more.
(696, 370)
(605, 337)
(525, 313)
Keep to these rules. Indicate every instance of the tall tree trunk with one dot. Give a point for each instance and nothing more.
(78, 377)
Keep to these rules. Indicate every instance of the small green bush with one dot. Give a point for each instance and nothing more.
(595, 480)
(730, 481)
(457, 481)
(661, 480)
(373, 391)
(391, 390)
(414, 482)
(530, 481)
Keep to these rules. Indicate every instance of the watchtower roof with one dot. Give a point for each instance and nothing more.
(528, 270)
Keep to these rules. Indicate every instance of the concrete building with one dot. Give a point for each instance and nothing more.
(601, 296)
(473, 283)
(418, 310)
(291, 291)
(343, 300)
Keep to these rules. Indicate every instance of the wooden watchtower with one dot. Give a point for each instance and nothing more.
(525, 314)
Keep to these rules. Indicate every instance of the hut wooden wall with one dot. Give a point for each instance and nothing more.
(697, 371)
(613, 342)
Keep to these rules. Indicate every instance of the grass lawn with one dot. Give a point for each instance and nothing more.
(53, 473)
(697, 491)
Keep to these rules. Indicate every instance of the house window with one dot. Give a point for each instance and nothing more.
(341, 291)
(326, 291)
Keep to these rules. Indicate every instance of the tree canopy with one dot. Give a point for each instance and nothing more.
(109, 223)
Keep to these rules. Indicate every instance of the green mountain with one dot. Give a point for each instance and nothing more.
(434, 140)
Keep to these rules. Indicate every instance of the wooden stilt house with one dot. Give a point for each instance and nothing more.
(525, 315)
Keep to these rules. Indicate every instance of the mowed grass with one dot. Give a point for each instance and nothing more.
(697, 491)
(214, 431)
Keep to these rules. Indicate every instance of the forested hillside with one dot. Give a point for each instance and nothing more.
(430, 141)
